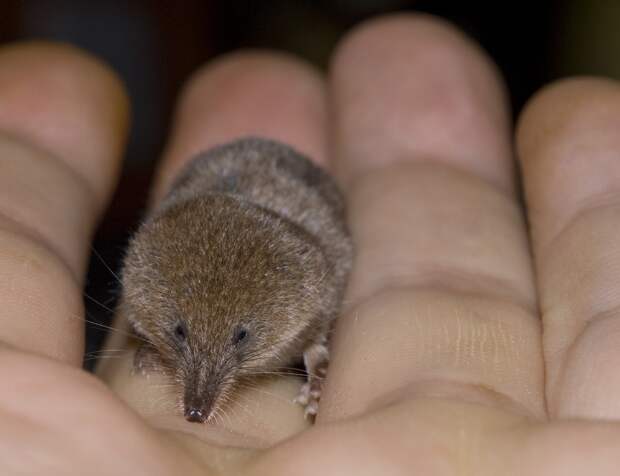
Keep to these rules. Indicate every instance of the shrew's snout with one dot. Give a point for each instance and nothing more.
(199, 400)
(197, 409)
(196, 415)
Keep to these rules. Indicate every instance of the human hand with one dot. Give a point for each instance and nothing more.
(439, 366)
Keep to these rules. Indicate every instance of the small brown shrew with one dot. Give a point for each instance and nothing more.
(240, 271)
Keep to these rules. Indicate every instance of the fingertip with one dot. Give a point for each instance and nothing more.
(393, 28)
(68, 103)
(412, 86)
(235, 69)
(565, 108)
(250, 92)
(564, 140)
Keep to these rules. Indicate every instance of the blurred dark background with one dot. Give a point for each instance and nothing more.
(154, 45)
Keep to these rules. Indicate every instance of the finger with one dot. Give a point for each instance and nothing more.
(63, 118)
(568, 144)
(248, 93)
(441, 300)
(243, 94)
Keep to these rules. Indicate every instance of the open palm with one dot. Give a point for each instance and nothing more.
(463, 347)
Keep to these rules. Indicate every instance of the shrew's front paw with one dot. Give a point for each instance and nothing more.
(145, 361)
(316, 359)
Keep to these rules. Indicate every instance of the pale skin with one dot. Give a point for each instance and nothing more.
(438, 363)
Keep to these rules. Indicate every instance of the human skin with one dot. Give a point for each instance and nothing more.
(439, 365)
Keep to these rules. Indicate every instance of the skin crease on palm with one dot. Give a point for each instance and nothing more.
(439, 361)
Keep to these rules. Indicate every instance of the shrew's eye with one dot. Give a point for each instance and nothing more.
(180, 332)
(240, 335)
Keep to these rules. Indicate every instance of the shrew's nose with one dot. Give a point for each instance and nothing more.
(195, 415)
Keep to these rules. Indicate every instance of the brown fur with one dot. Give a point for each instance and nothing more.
(252, 237)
